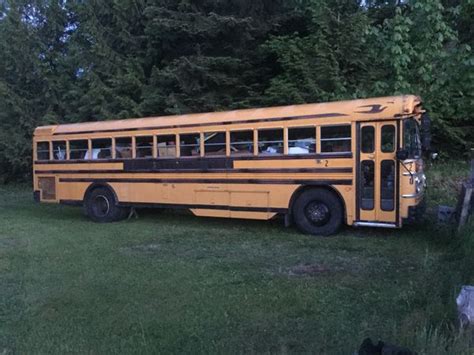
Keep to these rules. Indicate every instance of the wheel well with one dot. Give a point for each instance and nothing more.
(300, 190)
(97, 185)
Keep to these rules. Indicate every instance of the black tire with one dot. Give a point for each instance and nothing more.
(318, 212)
(101, 206)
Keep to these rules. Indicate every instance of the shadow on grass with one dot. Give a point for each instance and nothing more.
(427, 230)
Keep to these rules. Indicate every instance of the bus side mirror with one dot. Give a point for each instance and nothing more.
(402, 154)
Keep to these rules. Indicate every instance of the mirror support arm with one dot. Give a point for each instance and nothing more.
(412, 176)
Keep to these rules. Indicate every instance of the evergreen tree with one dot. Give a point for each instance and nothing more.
(30, 42)
(327, 62)
(205, 53)
(73, 61)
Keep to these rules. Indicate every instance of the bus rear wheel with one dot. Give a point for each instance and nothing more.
(101, 206)
(318, 212)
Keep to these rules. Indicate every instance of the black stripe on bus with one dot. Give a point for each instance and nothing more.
(71, 202)
(215, 181)
(200, 171)
(207, 124)
(187, 206)
(338, 155)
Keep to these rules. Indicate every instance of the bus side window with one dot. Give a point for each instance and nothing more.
(101, 148)
(42, 150)
(214, 143)
(301, 140)
(189, 144)
(241, 143)
(335, 139)
(270, 141)
(59, 150)
(144, 147)
(123, 148)
(78, 149)
(166, 146)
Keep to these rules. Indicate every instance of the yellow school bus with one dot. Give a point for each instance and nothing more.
(356, 162)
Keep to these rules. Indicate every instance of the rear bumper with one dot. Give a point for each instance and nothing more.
(415, 213)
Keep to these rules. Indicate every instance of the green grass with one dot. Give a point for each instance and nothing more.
(173, 283)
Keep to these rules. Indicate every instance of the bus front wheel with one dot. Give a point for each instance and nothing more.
(318, 212)
(101, 206)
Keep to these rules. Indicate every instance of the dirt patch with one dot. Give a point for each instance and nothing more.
(308, 270)
(148, 249)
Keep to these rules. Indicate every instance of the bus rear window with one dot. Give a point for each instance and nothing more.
(335, 139)
(42, 150)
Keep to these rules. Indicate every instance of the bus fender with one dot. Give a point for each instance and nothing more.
(96, 185)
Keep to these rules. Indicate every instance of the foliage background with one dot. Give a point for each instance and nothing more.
(85, 60)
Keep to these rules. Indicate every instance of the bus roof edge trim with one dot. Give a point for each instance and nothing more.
(380, 108)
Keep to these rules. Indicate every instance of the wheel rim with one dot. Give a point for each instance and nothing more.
(101, 206)
(317, 213)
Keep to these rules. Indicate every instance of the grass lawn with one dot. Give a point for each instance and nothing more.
(173, 283)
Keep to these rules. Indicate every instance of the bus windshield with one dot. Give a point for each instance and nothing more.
(411, 138)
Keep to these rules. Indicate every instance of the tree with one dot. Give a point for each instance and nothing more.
(328, 62)
(73, 61)
(29, 73)
(424, 56)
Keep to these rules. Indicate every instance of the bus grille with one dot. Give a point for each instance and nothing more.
(47, 186)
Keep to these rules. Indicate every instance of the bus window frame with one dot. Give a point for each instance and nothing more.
(254, 138)
(286, 138)
(157, 141)
(75, 140)
(196, 145)
(282, 128)
(49, 150)
(320, 139)
(66, 144)
(153, 142)
(393, 141)
(112, 146)
(226, 143)
(418, 136)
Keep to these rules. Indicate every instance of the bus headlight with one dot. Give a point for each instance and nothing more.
(420, 183)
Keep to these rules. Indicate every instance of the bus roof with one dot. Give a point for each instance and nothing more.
(362, 109)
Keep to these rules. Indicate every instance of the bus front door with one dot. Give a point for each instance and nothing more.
(377, 185)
